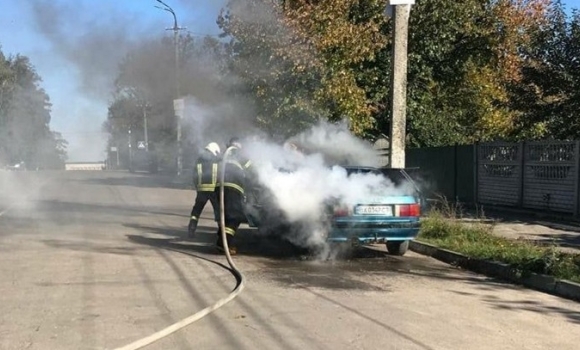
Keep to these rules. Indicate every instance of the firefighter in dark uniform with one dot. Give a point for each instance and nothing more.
(234, 193)
(205, 180)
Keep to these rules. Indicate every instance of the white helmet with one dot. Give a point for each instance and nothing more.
(213, 147)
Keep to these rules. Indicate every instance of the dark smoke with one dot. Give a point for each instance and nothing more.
(93, 48)
(94, 37)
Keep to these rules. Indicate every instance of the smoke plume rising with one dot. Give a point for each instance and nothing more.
(89, 40)
(303, 184)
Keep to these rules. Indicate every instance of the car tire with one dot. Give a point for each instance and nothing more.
(397, 247)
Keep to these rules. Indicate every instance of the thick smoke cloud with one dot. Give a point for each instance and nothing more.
(94, 48)
(95, 38)
(303, 181)
(337, 144)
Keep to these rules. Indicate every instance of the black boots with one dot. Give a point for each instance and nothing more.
(220, 245)
(191, 228)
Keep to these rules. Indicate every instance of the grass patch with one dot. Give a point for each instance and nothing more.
(477, 241)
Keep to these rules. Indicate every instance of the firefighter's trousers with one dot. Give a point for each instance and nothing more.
(200, 201)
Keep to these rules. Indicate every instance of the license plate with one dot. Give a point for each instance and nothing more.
(386, 210)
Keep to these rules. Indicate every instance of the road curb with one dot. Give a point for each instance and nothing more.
(543, 283)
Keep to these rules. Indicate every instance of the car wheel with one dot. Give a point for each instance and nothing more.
(397, 247)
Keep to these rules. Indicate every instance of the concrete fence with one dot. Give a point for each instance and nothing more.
(539, 175)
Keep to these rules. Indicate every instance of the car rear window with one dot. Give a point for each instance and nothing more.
(351, 171)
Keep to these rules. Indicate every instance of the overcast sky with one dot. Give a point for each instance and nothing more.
(75, 46)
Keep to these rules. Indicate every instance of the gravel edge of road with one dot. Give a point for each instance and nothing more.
(543, 283)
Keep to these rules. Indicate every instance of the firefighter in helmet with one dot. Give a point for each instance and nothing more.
(205, 180)
(234, 193)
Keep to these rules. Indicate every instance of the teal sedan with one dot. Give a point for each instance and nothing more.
(383, 218)
(380, 217)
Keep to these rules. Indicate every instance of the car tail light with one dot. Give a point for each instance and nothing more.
(341, 211)
(410, 210)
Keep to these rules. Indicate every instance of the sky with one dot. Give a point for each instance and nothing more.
(76, 45)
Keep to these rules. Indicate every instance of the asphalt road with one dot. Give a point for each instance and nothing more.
(94, 260)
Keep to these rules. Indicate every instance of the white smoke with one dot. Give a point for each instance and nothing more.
(302, 184)
(337, 144)
(21, 189)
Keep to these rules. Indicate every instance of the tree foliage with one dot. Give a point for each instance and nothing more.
(25, 134)
(548, 95)
(304, 60)
(463, 58)
(478, 70)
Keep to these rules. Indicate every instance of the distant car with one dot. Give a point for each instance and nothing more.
(390, 219)
(20, 166)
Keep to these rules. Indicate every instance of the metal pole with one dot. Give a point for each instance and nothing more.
(177, 94)
(176, 30)
(145, 127)
(399, 85)
(130, 151)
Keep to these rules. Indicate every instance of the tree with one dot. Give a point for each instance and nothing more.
(305, 60)
(548, 94)
(463, 59)
(302, 61)
(25, 134)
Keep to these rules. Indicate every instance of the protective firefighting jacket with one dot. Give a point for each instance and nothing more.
(235, 172)
(206, 172)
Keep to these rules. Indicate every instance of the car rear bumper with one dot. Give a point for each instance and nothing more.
(373, 230)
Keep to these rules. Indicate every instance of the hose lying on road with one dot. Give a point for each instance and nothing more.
(200, 314)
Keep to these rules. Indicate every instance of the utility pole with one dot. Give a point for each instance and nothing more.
(145, 132)
(130, 150)
(178, 114)
(401, 10)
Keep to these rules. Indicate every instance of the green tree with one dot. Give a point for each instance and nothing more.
(463, 59)
(25, 134)
(305, 60)
(549, 93)
(302, 61)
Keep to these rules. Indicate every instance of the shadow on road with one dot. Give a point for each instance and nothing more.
(247, 241)
(295, 266)
(83, 246)
(497, 300)
(120, 210)
(534, 306)
(140, 180)
(288, 272)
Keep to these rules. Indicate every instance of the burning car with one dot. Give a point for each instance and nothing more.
(393, 219)
(380, 216)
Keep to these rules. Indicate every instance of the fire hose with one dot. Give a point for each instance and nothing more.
(141, 343)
